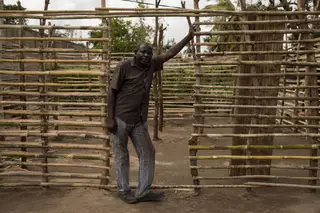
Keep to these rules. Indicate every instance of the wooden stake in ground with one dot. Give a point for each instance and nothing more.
(105, 68)
(22, 79)
(1, 56)
(156, 81)
(160, 95)
(314, 93)
(198, 119)
(42, 90)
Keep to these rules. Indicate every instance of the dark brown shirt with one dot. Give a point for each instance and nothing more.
(133, 88)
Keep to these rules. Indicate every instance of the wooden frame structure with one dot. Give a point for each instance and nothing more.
(247, 101)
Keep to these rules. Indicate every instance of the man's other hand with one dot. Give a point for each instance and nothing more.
(112, 126)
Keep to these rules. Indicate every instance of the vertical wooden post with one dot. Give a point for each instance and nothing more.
(43, 108)
(241, 81)
(160, 95)
(198, 111)
(297, 90)
(155, 80)
(105, 68)
(284, 84)
(311, 93)
(90, 77)
(2, 138)
(23, 98)
(88, 55)
(54, 79)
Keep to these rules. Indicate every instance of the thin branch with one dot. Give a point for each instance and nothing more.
(160, 5)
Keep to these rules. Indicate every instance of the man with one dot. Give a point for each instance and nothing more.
(128, 100)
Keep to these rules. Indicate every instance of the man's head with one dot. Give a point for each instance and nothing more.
(143, 54)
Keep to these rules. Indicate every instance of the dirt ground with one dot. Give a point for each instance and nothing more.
(172, 167)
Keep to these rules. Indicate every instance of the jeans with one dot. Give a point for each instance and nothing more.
(142, 143)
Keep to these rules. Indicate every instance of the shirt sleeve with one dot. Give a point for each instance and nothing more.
(117, 77)
(158, 64)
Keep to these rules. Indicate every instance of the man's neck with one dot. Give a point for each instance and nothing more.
(139, 64)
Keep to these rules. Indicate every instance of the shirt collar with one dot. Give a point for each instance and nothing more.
(134, 64)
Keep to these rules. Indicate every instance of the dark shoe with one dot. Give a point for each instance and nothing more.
(128, 198)
(152, 196)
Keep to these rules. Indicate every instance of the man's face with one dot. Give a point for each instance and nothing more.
(144, 54)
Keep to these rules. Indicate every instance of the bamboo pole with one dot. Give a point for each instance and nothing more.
(253, 87)
(312, 135)
(160, 83)
(154, 186)
(14, 144)
(50, 38)
(220, 12)
(52, 94)
(294, 21)
(23, 123)
(54, 73)
(105, 68)
(315, 64)
(259, 157)
(46, 156)
(14, 163)
(43, 27)
(256, 177)
(52, 60)
(284, 185)
(260, 116)
(257, 125)
(42, 90)
(76, 134)
(284, 52)
(297, 90)
(298, 167)
(22, 89)
(255, 106)
(105, 10)
(1, 57)
(254, 97)
(194, 140)
(54, 50)
(54, 174)
(255, 32)
(253, 42)
(54, 103)
(155, 81)
(90, 78)
(23, 84)
(261, 74)
(245, 147)
(114, 15)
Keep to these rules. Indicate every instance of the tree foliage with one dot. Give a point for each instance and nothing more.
(125, 35)
(258, 5)
(223, 5)
(14, 21)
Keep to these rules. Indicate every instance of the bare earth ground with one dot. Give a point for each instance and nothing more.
(172, 168)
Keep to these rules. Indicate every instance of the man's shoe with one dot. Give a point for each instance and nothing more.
(128, 198)
(152, 196)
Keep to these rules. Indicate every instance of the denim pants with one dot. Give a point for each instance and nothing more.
(142, 143)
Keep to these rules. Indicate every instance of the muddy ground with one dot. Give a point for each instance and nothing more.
(172, 167)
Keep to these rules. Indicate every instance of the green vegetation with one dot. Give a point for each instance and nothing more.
(125, 35)
(14, 21)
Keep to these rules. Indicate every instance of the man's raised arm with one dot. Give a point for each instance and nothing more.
(176, 48)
